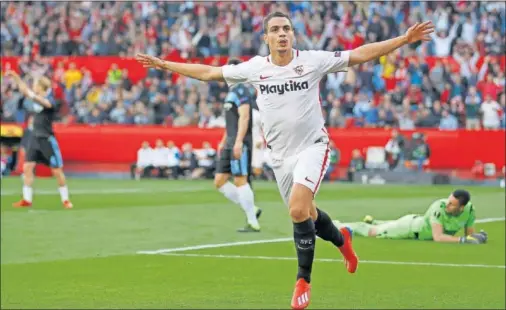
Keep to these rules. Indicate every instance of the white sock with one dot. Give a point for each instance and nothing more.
(247, 201)
(27, 193)
(229, 190)
(64, 193)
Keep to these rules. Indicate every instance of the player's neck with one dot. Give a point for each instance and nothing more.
(282, 58)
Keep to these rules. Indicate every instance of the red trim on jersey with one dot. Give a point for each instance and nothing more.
(297, 53)
(267, 59)
(325, 158)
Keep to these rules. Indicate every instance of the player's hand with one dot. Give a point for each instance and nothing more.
(238, 150)
(470, 239)
(482, 236)
(148, 61)
(419, 31)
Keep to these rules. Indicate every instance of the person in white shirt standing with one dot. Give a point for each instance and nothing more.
(287, 83)
(144, 160)
(490, 109)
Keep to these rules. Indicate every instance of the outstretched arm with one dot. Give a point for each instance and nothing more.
(196, 71)
(27, 92)
(375, 50)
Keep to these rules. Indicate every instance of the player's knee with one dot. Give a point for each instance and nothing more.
(240, 181)
(299, 213)
(28, 168)
(220, 180)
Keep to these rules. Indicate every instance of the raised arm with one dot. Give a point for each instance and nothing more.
(375, 50)
(196, 71)
(27, 92)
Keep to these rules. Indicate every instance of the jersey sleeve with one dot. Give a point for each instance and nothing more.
(330, 62)
(472, 216)
(434, 213)
(240, 73)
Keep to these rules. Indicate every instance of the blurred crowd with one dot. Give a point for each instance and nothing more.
(392, 92)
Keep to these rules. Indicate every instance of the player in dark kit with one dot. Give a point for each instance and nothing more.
(235, 154)
(42, 146)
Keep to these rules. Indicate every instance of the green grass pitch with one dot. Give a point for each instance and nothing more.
(89, 257)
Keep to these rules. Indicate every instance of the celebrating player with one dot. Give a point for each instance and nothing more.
(42, 146)
(235, 153)
(287, 84)
(444, 218)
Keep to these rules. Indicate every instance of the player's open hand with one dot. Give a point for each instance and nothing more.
(148, 61)
(482, 236)
(419, 31)
(237, 150)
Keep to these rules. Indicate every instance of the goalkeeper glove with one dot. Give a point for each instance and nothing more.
(482, 236)
(469, 239)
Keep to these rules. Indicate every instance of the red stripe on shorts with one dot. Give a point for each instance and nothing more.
(322, 170)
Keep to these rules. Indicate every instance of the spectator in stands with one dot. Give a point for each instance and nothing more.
(357, 164)
(394, 150)
(188, 161)
(472, 109)
(490, 110)
(173, 160)
(160, 159)
(448, 121)
(206, 162)
(466, 31)
(144, 163)
(419, 151)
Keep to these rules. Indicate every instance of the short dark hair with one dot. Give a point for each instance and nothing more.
(462, 196)
(276, 14)
(233, 61)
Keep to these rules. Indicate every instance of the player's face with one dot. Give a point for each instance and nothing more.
(279, 36)
(453, 207)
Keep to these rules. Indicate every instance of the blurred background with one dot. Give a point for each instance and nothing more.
(428, 113)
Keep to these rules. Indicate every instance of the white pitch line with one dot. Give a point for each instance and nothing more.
(490, 220)
(217, 245)
(231, 244)
(332, 260)
(109, 191)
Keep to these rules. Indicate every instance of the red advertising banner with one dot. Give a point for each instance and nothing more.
(100, 65)
(119, 144)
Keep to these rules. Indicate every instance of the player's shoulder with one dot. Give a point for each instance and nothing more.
(312, 54)
(256, 61)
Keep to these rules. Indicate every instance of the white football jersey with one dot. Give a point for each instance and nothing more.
(288, 97)
(257, 127)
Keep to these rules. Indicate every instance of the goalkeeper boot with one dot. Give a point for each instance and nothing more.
(350, 257)
(368, 219)
(301, 294)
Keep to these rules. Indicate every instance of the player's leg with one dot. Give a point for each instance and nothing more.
(32, 156)
(299, 202)
(52, 154)
(358, 228)
(309, 172)
(222, 176)
(241, 170)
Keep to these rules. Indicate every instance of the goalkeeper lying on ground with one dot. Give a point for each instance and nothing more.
(443, 219)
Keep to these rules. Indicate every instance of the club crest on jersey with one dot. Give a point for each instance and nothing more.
(299, 69)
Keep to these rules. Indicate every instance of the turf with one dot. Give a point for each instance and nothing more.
(88, 257)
